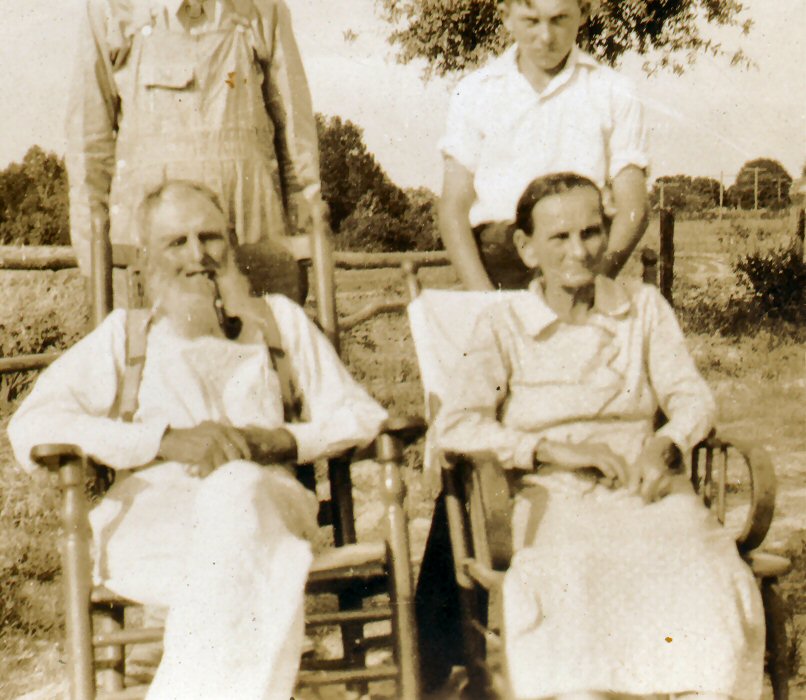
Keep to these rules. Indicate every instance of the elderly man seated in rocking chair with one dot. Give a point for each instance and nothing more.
(203, 515)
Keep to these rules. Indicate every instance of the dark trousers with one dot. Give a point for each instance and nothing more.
(499, 256)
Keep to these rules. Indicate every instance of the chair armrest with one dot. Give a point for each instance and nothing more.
(762, 483)
(73, 467)
(408, 429)
(404, 430)
(491, 511)
(53, 456)
(484, 487)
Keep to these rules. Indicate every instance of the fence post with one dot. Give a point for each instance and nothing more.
(799, 219)
(666, 281)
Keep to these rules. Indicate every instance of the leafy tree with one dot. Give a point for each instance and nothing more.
(349, 171)
(370, 228)
(674, 188)
(419, 221)
(367, 210)
(33, 201)
(454, 35)
(686, 193)
(773, 185)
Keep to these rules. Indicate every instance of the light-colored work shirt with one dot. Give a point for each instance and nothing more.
(186, 382)
(527, 375)
(228, 554)
(221, 99)
(587, 120)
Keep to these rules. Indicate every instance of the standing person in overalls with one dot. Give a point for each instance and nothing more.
(212, 91)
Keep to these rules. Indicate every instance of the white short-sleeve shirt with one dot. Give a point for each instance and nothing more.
(587, 120)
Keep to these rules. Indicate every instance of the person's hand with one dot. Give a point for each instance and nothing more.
(204, 447)
(585, 455)
(271, 446)
(653, 464)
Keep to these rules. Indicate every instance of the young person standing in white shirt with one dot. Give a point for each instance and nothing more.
(543, 106)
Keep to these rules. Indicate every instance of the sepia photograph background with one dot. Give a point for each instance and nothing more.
(728, 153)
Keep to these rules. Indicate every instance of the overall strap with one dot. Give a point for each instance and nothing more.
(292, 405)
(137, 323)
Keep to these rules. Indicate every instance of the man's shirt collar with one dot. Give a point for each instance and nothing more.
(611, 300)
(507, 65)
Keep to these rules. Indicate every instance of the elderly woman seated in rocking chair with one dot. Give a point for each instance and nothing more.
(622, 582)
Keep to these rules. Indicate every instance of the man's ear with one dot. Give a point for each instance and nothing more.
(526, 251)
(504, 12)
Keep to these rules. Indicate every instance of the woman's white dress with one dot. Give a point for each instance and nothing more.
(605, 593)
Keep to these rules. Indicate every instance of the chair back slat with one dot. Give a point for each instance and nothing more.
(321, 255)
(722, 485)
(101, 276)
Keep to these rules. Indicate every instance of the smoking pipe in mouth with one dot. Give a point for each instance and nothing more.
(230, 325)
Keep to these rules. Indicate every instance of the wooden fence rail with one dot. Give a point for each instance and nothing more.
(52, 258)
(24, 363)
(41, 257)
(657, 268)
(13, 257)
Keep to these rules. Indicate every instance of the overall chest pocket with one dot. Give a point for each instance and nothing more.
(171, 77)
(165, 94)
(167, 61)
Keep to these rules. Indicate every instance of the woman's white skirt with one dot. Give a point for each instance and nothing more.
(608, 594)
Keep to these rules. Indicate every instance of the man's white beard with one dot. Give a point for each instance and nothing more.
(190, 302)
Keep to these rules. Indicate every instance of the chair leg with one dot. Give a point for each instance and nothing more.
(776, 616)
(76, 570)
(389, 456)
(352, 637)
(109, 659)
(474, 604)
(352, 634)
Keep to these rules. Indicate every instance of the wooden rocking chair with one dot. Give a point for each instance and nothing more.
(469, 546)
(351, 572)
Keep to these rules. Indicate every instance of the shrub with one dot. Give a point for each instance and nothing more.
(765, 293)
(371, 228)
(793, 587)
(776, 278)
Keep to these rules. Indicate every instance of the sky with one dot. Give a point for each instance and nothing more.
(707, 122)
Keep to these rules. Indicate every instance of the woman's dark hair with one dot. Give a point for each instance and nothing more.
(543, 187)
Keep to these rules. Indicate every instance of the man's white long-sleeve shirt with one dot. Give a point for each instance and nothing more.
(186, 382)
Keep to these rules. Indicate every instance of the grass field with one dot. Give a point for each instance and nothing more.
(757, 376)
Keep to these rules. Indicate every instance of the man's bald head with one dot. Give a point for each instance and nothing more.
(174, 193)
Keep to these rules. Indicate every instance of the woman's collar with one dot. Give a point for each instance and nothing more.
(610, 299)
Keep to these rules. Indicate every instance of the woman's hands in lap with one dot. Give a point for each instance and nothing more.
(649, 476)
(586, 455)
(654, 464)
